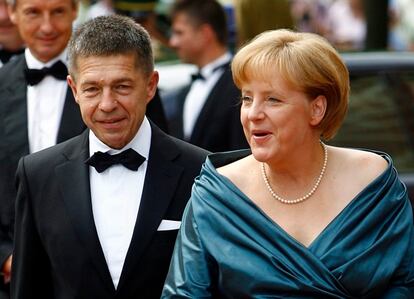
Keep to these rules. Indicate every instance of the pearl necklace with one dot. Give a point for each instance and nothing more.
(309, 194)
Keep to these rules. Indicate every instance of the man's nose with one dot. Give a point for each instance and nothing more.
(108, 101)
(46, 26)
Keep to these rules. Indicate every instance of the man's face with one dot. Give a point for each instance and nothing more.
(187, 39)
(9, 35)
(112, 94)
(45, 25)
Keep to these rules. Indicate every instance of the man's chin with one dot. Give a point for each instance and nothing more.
(114, 141)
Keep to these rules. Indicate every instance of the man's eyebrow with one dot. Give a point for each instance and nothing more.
(116, 81)
(125, 79)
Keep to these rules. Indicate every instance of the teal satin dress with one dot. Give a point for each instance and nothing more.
(228, 248)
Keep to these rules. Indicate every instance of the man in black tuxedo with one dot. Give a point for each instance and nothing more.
(206, 112)
(97, 216)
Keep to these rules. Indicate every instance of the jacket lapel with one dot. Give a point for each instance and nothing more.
(15, 107)
(176, 124)
(211, 106)
(160, 183)
(74, 172)
(71, 123)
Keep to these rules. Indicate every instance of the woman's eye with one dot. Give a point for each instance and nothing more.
(246, 99)
(273, 100)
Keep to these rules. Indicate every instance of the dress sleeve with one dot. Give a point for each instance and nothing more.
(190, 273)
(402, 284)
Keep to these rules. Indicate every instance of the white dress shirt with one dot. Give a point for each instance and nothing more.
(116, 196)
(199, 92)
(45, 102)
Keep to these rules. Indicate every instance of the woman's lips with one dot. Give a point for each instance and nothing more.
(260, 135)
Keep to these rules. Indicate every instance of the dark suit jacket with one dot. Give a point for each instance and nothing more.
(57, 250)
(14, 142)
(218, 126)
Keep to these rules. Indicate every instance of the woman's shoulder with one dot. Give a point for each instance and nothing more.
(361, 164)
(238, 170)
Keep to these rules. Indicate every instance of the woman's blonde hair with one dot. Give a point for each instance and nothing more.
(306, 61)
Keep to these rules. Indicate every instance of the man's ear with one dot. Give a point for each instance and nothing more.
(318, 109)
(152, 85)
(12, 13)
(208, 32)
(72, 84)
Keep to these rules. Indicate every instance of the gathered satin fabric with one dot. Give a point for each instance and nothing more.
(228, 248)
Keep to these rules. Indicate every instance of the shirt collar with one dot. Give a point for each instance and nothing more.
(141, 143)
(34, 63)
(209, 69)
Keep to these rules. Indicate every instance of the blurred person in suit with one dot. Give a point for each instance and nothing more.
(10, 41)
(205, 112)
(37, 107)
(101, 219)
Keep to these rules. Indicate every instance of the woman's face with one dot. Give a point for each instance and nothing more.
(276, 119)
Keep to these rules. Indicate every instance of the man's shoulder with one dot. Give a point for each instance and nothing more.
(58, 152)
(225, 83)
(14, 65)
(12, 71)
(189, 148)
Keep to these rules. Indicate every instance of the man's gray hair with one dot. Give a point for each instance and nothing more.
(111, 35)
(13, 2)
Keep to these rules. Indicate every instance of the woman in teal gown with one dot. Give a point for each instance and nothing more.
(293, 217)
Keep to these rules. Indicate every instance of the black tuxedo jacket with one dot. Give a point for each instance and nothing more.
(14, 142)
(218, 126)
(57, 250)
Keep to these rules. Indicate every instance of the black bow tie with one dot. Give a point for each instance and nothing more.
(199, 76)
(129, 158)
(5, 55)
(57, 70)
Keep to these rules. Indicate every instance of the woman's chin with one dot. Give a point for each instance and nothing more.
(260, 154)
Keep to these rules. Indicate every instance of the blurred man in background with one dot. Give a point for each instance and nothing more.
(206, 112)
(38, 109)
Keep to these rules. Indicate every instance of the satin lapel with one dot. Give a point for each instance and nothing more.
(160, 183)
(71, 123)
(73, 178)
(15, 108)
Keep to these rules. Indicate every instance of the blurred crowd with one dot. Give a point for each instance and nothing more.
(342, 22)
